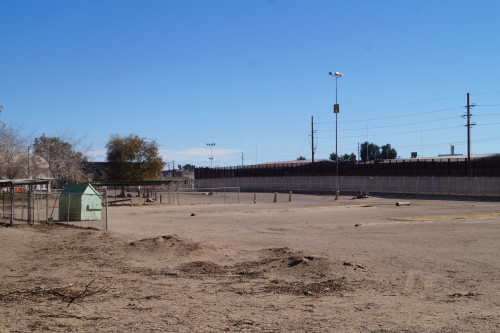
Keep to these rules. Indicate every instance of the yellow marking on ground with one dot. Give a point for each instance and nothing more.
(445, 217)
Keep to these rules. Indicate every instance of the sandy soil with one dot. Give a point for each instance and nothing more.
(310, 265)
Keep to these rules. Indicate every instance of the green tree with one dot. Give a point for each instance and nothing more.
(387, 152)
(301, 158)
(133, 158)
(189, 167)
(63, 159)
(370, 151)
(348, 157)
(343, 158)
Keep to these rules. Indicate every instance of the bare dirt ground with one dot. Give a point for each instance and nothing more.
(310, 265)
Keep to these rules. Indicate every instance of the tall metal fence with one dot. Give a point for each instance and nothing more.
(451, 167)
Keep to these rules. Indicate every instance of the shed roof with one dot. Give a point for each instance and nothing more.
(79, 188)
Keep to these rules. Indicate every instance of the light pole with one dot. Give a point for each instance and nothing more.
(336, 110)
(211, 158)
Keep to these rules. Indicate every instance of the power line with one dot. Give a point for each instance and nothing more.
(448, 135)
(490, 124)
(400, 116)
(459, 142)
(396, 125)
(394, 133)
(407, 104)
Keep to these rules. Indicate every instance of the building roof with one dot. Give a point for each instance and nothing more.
(451, 157)
(291, 163)
(141, 182)
(19, 182)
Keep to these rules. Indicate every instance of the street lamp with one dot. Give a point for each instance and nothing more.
(211, 158)
(336, 110)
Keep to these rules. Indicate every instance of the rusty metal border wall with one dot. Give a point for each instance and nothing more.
(486, 187)
(391, 168)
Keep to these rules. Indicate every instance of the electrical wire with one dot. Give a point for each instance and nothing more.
(394, 133)
(408, 104)
(433, 144)
(393, 117)
(394, 125)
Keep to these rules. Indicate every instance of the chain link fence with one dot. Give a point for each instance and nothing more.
(91, 210)
(41, 207)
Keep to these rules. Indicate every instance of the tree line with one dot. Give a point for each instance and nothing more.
(63, 158)
(368, 152)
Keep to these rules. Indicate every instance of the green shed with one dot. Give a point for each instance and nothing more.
(79, 202)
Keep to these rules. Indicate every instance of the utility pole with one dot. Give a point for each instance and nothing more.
(28, 175)
(468, 135)
(312, 138)
(468, 115)
(359, 156)
(242, 159)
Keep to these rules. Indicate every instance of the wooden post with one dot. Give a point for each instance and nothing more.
(275, 196)
(12, 205)
(47, 204)
(106, 204)
(254, 198)
(22, 205)
(290, 196)
(29, 204)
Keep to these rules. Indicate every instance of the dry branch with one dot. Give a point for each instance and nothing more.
(56, 291)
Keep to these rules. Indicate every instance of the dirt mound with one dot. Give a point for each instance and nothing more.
(171, 251)
(166, 242)
(309, 289)
(203, 268)
(272, 270)
(289, 265)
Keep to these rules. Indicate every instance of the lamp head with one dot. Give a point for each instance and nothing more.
(337, 74)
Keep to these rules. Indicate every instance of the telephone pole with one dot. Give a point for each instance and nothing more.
(469, 124)
(359, 156)
(468, 130)
(312, 138)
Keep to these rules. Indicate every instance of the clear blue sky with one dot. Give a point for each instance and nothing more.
(248, 75)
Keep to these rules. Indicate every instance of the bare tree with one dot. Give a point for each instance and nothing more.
(14, 154)
(63, 159)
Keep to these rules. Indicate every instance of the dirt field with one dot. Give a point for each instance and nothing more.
(310, 265)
